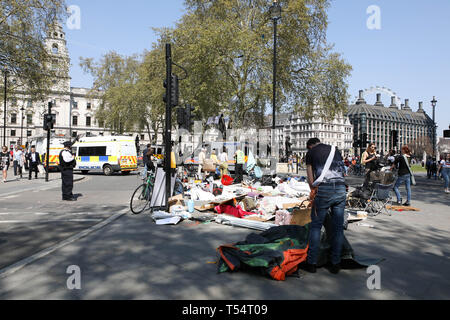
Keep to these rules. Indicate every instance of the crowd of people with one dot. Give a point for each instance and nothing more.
(20, 160)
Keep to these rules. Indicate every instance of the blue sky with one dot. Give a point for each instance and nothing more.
(410, 54)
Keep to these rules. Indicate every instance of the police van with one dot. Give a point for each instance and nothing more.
(56, 146)
(108, 154)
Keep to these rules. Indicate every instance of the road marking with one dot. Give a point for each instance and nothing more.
(22, 263)
(47, 221)
(10, 197)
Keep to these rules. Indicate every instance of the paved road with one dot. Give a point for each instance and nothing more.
(132, 258)
(33, 217)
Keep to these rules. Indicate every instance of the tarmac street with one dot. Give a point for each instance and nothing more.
(125, 256)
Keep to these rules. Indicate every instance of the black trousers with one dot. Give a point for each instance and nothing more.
(17, 166)
(33, 167)
(239, 174)
(67, 183)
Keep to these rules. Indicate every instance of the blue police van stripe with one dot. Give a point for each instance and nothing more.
(104, 159)
(85, 159)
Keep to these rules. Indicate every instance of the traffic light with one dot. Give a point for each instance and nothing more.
(181, 118)
(189, 119)
(175, 91)
(364, 140)
(446, 133)
(49, 121)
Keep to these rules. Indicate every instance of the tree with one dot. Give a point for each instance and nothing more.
(130, 91)
(420, 145)
(115, 77)
(226, 45)
(23, 27)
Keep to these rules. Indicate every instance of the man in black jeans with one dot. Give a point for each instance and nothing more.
(331, 194)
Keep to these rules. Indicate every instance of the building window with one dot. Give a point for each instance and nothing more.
(88, 121)
(55, 48)
(29, 119)
(88, 106)
(142, 137)
(29, 133)
(74, 134)
(13, 133)
(74, 105)
(13, 118)
(88, 134)
(75, 120)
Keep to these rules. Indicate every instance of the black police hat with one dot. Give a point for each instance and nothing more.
(67, 144)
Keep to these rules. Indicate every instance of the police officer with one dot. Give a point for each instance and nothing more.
(67, 163)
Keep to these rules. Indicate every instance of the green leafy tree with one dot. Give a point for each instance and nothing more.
(24, 25)
(227, 47)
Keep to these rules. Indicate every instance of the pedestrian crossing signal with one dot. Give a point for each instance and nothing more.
(49, 121)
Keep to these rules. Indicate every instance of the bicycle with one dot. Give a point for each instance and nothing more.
(142, 195)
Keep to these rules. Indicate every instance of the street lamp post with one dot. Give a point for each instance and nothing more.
(275, 14)
(433, 104)
(21, 126)
(4, 107)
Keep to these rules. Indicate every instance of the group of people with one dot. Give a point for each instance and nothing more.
(21, 160)
(220, 163)
(30, 160)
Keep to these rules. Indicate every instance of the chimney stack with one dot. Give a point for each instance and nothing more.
(393, 103)
(361, 98)
(407, 105)
(420, 107)
(379, 103)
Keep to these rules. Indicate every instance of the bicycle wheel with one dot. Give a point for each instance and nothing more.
(140, 199)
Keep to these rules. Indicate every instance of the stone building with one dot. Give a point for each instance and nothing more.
(378, 122)
(74, 107)
(337, 132)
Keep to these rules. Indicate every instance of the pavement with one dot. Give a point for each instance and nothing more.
(127, 256)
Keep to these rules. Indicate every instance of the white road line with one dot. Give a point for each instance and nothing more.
(48, 221)
(10, 197)
(22, 263)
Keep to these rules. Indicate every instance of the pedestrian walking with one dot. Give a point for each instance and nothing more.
(146, 158)
(428, 165)
(369, 160)
(325, 172)
(5, 158)
(239, 168)
(444, 169)
(290, 163)
(223, 160)
(34, 160)
(18, 161)
(405, 176)
(67, 163)
(201, 162)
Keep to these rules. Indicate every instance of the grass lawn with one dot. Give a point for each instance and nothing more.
(418, 168)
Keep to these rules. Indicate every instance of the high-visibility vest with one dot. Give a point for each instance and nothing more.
(240, 157)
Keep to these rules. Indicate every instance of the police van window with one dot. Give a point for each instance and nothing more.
(92, 151)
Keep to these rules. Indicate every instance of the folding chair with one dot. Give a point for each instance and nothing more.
(381, 196)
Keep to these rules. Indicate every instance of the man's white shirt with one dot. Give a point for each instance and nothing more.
(67, 156)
